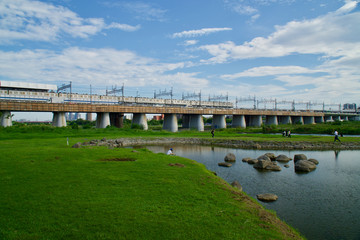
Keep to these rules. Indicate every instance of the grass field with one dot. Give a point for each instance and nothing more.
(52, 191)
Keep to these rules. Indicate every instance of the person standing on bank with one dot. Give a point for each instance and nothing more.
(213, 133)
(336, 135)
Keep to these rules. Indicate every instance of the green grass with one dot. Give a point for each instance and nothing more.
(52, 191)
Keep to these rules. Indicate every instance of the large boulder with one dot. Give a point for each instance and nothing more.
(230, 157)
(225, 164)
(314, 161)
(304, 166)
(273, 167)
(298, 157)
(264, 157)
(252, 161)
(282, 158)
(271, 156)
(262, 164)
(237, 185)
(267, 197)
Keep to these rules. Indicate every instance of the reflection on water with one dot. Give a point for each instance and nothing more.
(323, 204)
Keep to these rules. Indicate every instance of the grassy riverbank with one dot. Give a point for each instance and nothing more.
(52, 191)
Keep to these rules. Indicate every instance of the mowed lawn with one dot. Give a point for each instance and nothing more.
(49, 190)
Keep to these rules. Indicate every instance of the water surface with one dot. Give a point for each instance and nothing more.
(323, 204)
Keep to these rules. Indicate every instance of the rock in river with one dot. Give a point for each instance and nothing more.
(225, 164)
(304, 166)
(282, 158)
(267, 197)
(298, 157)
(230, 157)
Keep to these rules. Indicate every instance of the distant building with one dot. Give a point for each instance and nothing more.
(158, 118)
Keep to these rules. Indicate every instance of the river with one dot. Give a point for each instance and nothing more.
(323, 204)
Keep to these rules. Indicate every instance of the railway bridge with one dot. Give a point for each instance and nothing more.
(112, 114)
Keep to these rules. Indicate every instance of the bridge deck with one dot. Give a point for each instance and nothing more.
(96, 108)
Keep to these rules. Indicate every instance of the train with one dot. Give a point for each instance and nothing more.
(53, 97)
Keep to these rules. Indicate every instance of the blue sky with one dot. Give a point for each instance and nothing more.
(306, 50)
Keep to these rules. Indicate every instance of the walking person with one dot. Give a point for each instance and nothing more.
(336, 135)
(289, 134)
(213, 133)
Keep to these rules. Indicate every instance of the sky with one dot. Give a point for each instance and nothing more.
(302, 50)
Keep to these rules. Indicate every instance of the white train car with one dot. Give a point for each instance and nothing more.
(18, 91)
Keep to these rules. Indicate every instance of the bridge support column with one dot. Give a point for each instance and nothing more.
(271, 120)
(59, 119)
(218, 121)
(197, 122)
(140, 119)
(89, 116)
(255, 120)
(284, 119)
(170, 122)
(102, 120)
(319, 119)
(336, 118)
(6, 119)
(328, 118)
(238, 121)
(309, 119)
(117, 119)
(346, 118)
(186, 121)
(297, 120)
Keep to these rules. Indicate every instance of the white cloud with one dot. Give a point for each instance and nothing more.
(39, 21)
(124, 27)
(144, 11)
(190, 42)
(332, 35)
(270, 71)
(99, 67)
(199, 32)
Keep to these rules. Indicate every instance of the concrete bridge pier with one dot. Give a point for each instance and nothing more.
(238, 121)
(309, 119)
(59, 119)
(197, 122)
(117, 119)
(319, 119)
(271, 120)
(170, 122)
(284, 119)
(140, 119)
(102, 120)
(297, 120)
(328, 118)
(186, 121)
(218, 122)
(336, 118)
(6, 119)
(255, 121)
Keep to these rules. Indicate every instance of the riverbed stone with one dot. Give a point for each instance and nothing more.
(230, 157)
(237, 185)
(298, 157)
(313, 161)
(252, 161)
(262, 164)
(271, 156)
(263, 157)
(287, 165)
(267, 197)
(304, 166)
(273, 167)
(246, 159)
(225, 164)
(282, 158)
